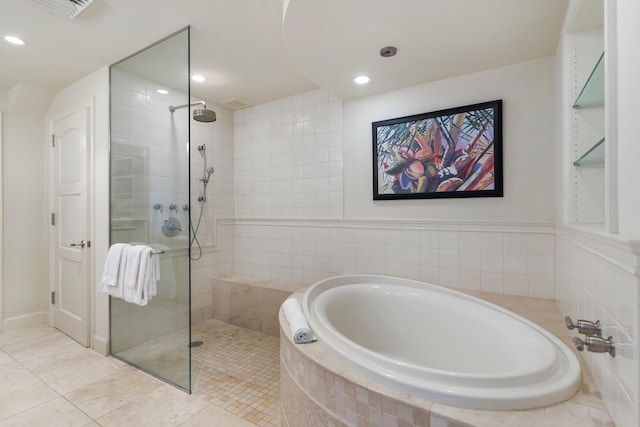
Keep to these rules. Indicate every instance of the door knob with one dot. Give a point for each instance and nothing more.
(81, 244)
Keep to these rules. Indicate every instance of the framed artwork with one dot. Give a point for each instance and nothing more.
(443, 154)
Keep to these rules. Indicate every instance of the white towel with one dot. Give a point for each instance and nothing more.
(140, 274)
(111, 282)
(298, 323)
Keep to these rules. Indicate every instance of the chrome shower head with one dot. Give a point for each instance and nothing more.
(200, 115)
(204, 115)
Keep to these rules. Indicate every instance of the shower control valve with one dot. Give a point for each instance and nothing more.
(173, 207)
(585, 327)
(596, 345)
(158, 207)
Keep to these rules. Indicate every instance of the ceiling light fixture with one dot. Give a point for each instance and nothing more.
(198, 78)
(163, 92)
(15, 40)
(361, 80)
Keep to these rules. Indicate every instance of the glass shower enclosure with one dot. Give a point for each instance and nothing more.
(149, 163)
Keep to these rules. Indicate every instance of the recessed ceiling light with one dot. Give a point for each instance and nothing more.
(15, 40)
(361, 80)
(162, 91)
(198, 78)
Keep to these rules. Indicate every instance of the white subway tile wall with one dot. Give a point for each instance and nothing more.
(288, 158)
(147, 172)
(597, 279)
(313, 250)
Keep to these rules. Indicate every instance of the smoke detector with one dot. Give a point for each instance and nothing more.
(67, 8)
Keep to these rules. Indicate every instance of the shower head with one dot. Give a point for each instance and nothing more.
(200, 114)
(204, 115)
(210, 170)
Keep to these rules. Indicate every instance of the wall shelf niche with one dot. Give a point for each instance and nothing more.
(593, 157)
(592, 93)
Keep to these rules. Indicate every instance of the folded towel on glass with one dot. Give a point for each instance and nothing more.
(131, 273)
(111, 282)
(140, 274)
(298, 323)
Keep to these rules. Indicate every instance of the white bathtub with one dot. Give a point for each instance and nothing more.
(440, 344)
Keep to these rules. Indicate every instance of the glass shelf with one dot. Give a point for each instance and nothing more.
(593, 157)
(592, 94)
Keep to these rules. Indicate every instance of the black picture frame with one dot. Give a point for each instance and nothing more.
(450, 153)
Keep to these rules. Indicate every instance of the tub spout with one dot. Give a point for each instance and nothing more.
(596, 345)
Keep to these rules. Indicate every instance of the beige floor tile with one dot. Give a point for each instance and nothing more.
(42, 359)
(54, 413)
(164, 407)
(103, 396)
(235, 381)
(35, 342)
(5, 358)
(216, 417)
(12, 338)
(12, 372)
(24, 395)
(76, 373)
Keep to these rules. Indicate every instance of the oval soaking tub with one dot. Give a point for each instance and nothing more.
(440, 344)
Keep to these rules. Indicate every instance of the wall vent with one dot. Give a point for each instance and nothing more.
(235, 104)
(67, 8)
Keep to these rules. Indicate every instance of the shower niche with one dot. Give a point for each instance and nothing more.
(149, 168)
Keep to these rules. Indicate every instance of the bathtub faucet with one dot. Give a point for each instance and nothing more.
(596, 345)
(585, 327)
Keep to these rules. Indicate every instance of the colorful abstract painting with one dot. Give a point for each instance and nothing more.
(448, 153)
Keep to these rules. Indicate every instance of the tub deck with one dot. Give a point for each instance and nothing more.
(319, 389)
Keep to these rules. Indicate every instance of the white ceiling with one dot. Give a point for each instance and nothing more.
(245, 50)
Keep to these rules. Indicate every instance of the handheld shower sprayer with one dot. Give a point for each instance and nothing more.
(207, 175)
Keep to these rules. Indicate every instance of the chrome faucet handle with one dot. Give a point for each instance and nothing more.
(578, 343)
(596, 345)
(585, 327)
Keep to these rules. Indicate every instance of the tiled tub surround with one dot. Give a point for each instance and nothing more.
(317, 388)
(251, 302)
(500, 257)
(597, 278)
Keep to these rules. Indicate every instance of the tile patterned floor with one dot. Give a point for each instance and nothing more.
(48, 379)
(237, 369)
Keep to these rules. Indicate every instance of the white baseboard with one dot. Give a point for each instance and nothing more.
(25, 321)
(101, 345)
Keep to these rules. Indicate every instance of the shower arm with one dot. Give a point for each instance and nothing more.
(172, 108)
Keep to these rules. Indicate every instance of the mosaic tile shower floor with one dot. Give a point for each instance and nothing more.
(237, 369)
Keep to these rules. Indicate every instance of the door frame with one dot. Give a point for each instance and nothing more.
(1, 231)
(89, 105)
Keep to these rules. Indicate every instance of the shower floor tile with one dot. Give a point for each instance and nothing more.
(237, 369)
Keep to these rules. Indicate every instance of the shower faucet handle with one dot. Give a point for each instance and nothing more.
(585, 327)
(596, 345)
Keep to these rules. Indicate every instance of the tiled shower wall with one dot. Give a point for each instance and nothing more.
(597, 279)
(289, 158)
(513, 259)
(290, 224)
(146, 174)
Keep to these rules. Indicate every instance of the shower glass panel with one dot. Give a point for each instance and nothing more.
(149, 150)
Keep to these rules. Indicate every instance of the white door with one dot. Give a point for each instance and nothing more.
(71, 224)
